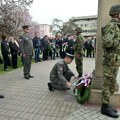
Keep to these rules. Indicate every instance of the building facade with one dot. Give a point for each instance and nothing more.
(87, 23)
(45, 29)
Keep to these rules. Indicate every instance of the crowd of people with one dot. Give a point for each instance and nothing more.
(46, 48)
(58, 46)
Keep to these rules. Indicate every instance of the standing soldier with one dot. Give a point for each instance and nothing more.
(26, 47)
(78, 51)
(111, 60)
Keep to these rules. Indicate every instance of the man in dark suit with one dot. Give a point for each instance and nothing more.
(37, 46)
(45, 47)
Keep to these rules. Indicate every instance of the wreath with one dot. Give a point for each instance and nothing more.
(82, 88)
(83, 94)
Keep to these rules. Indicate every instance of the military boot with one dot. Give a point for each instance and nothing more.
(80, 75)
(50, 87)
(106, 110)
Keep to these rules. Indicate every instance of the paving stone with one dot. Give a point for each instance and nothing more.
(31, 99)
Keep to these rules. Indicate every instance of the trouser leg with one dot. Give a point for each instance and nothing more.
(27, 65)
(59, 86)
(38, 55)
(35, 55)
(14, 61)
(110, 74)
(79, 65)
(5, 58)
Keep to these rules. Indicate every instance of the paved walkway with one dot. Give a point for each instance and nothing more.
(31, 100)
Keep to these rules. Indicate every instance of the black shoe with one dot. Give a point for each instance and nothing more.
(1, 96)
(50, 87)
(26, 77)
(106, 110)
(30, 76)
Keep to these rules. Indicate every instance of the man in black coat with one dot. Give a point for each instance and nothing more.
(45, 47)
(5, 51)
(88, 46)
(37, 46)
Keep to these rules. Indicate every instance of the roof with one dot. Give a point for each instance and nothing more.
(84, 17)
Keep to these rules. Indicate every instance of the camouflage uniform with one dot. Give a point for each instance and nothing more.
(111, 58)
(78, 50)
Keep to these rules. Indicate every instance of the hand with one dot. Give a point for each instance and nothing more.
(75, 77)
(68, 84)
(77, 55)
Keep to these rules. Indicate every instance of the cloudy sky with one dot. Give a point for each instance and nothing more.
(44, 11)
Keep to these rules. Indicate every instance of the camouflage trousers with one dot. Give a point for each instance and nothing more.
(79, 64)
(109, 75)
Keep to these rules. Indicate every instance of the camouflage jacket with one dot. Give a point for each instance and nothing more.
(78, 44)
(111, 43)
(111, 35)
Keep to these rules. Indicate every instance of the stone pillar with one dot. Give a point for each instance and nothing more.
(103, 19)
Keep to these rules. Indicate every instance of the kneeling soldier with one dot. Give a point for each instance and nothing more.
(60, 74)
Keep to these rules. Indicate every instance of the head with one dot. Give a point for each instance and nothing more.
(89, 38)
(78, 30)
(94, 37)
(72, 37)
(4, 36)
(36, 34)
(69, 37)
(46, 37)
(25, 28)
(68, 58)
(115, 11)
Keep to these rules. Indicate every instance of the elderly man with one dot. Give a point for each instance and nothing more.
(60, 74)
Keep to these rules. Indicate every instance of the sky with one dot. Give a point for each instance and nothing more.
(44, 11)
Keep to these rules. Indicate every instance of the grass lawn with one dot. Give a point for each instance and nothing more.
(19, 65)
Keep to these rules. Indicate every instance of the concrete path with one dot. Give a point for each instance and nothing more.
(31, 100)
